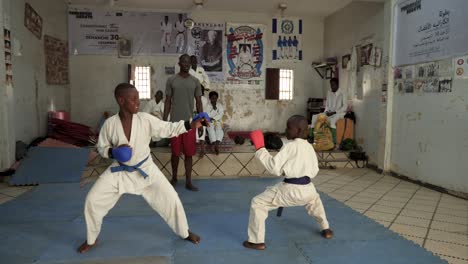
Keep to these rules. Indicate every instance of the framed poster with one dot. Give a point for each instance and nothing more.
(32, 21)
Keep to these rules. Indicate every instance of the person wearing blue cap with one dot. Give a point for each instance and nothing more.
(125, 137)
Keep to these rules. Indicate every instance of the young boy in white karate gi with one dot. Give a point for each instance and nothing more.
(298, 163)
(125, 137)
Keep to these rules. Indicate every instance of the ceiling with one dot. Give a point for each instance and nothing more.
(320, 8)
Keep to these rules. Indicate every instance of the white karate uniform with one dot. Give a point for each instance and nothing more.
(336, 102)
(166, 34)
(156, 109)
(180, 37)
(155, 189)
(296, 159)
(215, 130)
(199, 73)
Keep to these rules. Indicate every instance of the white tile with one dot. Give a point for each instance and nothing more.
(391, 203)
(384, 223)
(406, 220)
(449, 227)
(448, 237)
(453, 260)
(448, 249)
(380, 216)
(385, 209)
(416, 213)
(451, 219)
(356, 205)
(409, 230)
(424, 208)
(454, 212)
(418, 240)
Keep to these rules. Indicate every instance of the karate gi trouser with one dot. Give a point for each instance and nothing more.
(283, 195)
(332, 119)
(160, 195)
(215, 131)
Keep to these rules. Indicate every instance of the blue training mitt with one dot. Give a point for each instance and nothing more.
(200, 116)
(122, 154)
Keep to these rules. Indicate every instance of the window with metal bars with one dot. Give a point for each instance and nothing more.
(142, 81)
(286, 79)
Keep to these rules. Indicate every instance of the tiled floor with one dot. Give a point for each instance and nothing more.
(436, 221)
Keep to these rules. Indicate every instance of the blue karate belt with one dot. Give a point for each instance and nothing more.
(124, 167)
(300, 181)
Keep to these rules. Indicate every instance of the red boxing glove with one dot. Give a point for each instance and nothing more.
(257, 138)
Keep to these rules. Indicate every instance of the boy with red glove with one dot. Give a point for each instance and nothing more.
(298, 163)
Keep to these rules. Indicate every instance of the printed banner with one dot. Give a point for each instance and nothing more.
(429, 30)
(244, 53)
(287, 39)
(205, 41)
(98, 32)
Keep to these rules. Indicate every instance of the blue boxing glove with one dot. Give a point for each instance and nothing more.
(202, 115)
(122, 154)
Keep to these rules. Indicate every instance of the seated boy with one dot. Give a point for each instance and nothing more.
(298, 162)
(125, 137)
(215, 111)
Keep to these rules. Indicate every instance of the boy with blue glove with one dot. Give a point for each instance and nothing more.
(125, 137)
(298, 163)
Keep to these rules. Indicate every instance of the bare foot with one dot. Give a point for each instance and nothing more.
(202, 154)
(85, 247)
(257, 246)
(194, 238)
(327, 233)
(191, 187)
(174, 182)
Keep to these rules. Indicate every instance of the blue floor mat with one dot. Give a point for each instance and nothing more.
(51, 165)
(46, 225)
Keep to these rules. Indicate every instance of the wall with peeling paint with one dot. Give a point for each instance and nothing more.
(360, 23)
(93, 79)
(430, 137)
(30, 91)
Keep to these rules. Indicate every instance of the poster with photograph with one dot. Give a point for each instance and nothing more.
(287, 39)
(431, 85)
(408, 72)
(409, 86)
(366, 54)
(399, 86)
(206, 41)
(98, 31)
(32, 21)
(244, 53)
(125, 48)
(445, 85)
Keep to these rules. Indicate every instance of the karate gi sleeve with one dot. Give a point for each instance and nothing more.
(274, 164)
(163, 129)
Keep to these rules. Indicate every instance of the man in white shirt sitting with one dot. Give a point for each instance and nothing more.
(156, 107)
(336, 105)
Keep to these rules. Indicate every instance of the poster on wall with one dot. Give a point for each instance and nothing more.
(461, 67)
(428, 30)
(287, 39)
(244, 53)
(99, 31)
(56, 60)
(205, 40)
(32, 21)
